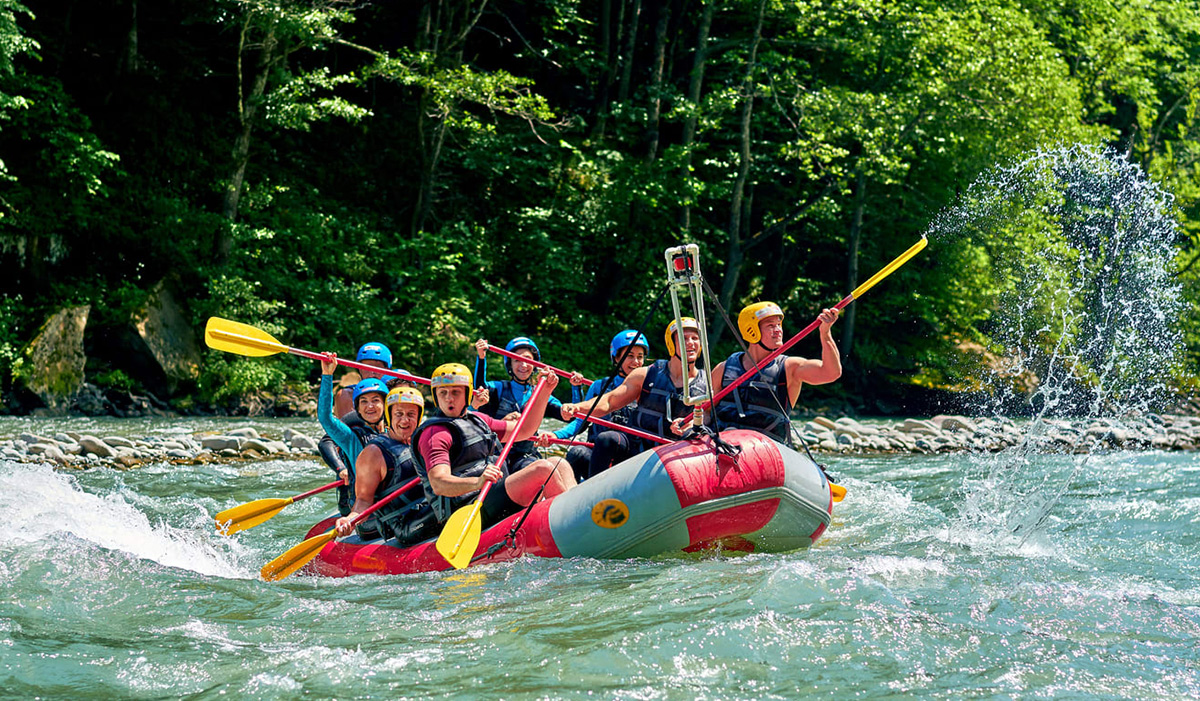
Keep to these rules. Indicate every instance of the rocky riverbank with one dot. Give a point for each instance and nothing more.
(940, 434)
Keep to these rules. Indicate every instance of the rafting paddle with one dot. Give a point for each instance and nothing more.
(299, 555)
(251, 514)
(460, 535)
(244, 339)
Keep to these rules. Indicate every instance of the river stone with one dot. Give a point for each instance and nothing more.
(845, 439)
(953, 423)
(243, 433)
(304, 442)
(51, 366)
(118, 441)
(178, 453)
(167, 336)
(828, 444)
(824, 422)
(33, 439)
(221, 443)
(228, 453)
(95, 446)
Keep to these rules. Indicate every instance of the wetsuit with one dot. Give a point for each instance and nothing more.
(580, 457)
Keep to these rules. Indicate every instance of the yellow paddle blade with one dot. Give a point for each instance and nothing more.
(249, 515)
(243, 339)
(460, 536)
(838, 491)
(890, 268)
(297, 557)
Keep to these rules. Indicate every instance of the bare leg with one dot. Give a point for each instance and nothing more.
(523, 485)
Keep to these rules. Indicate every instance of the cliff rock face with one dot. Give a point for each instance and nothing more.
(168, 337)
(51, 366)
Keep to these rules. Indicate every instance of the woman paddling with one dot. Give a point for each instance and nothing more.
(374, 354)
(657, 389)
(363, 423)
(509, 397)
(580, 456)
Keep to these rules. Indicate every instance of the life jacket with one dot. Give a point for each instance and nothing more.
(760, 403)
(401, 468)
(474, 446)
(661, 401)
(511, 398)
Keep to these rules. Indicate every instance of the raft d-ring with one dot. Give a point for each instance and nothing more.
(610, 513)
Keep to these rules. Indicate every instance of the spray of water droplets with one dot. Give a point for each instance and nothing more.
(1082, 244)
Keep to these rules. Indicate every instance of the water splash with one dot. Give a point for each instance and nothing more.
(48, 509)
(1082, 245)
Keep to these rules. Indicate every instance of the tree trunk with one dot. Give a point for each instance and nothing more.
(604, 84)
(860, 198)
(695, 82)
(736, 256)
(656, 81)
(247, 113)
(628, 50)
(131, 42)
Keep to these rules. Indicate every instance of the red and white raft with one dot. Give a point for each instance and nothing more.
(675, 498)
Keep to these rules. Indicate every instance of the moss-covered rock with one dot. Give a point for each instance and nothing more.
(51, 366)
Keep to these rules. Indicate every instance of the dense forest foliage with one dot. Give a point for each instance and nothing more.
(427, 172)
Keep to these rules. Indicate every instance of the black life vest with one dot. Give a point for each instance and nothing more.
(401, 468)
(511, 398)
(337, 461)
(474, 446)
(760, 403)
(661, 401)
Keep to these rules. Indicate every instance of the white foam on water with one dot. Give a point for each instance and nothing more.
(39, 505)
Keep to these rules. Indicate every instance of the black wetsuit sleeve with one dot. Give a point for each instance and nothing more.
(332, 455)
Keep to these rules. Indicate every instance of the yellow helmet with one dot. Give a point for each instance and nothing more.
(404, 395)
(688, 323)
(750, 316)
(452, 375)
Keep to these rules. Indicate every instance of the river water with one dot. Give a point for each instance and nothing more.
(116, 585)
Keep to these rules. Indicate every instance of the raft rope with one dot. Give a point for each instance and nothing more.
(510, 538)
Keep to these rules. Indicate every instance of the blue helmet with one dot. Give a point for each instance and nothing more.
(627, 338)
(375, 351)
(409, 377)
(368, 386)
(518, 343)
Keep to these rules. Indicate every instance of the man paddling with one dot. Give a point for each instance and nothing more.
(658, 391)
(763, 402)
(455, 450)
(384, 465)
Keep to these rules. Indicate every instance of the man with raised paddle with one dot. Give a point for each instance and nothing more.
(763, 402)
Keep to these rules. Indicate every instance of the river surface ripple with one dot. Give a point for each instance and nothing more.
(115, 585)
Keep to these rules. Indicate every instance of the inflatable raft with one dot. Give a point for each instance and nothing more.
(679, 497)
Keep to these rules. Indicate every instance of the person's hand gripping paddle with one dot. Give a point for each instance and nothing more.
(460, 536)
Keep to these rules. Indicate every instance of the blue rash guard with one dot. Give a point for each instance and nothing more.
(345, 437)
